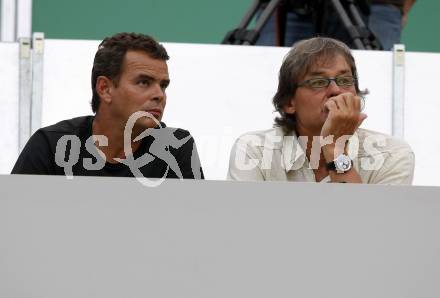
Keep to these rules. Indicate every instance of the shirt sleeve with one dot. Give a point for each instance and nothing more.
(244, 162)
(188, 158)
(36, 157)
(398, 168)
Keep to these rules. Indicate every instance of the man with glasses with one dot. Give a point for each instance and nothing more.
(317, 136)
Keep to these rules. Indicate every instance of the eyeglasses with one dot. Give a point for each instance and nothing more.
(318, 83)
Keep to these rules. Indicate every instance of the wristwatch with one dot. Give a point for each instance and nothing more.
(341, 164)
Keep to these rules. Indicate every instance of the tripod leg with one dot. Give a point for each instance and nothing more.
(248, 37)
(236, 35)
(249, 15)
(280, 26)
(369, 39)
(346, 21)
(265, 15)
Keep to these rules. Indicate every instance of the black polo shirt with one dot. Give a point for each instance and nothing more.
(38, 156)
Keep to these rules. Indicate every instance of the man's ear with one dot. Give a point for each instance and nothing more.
(104, 87)
(289, 108)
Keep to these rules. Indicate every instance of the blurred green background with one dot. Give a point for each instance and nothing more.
(191, 21)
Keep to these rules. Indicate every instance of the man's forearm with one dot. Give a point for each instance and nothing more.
(407, 4)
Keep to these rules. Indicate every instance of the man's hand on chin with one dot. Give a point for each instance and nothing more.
(344, 116)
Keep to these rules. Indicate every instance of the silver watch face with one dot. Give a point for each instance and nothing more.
(342, 163)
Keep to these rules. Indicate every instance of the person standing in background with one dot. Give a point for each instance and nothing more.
(385, 18)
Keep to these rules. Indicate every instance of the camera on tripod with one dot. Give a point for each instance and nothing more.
(349, 14)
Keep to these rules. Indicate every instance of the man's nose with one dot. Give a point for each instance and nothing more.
(333, 89)
(158, 92)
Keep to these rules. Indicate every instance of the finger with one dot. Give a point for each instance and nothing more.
(361, 119)
(353, 103)
(342, 103)
(356, 104)
(331, 105)
(333, 99)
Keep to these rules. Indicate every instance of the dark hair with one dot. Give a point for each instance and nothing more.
(300, 59)
(110, 56)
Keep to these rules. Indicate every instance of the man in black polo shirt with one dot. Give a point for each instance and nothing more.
(125, 136)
